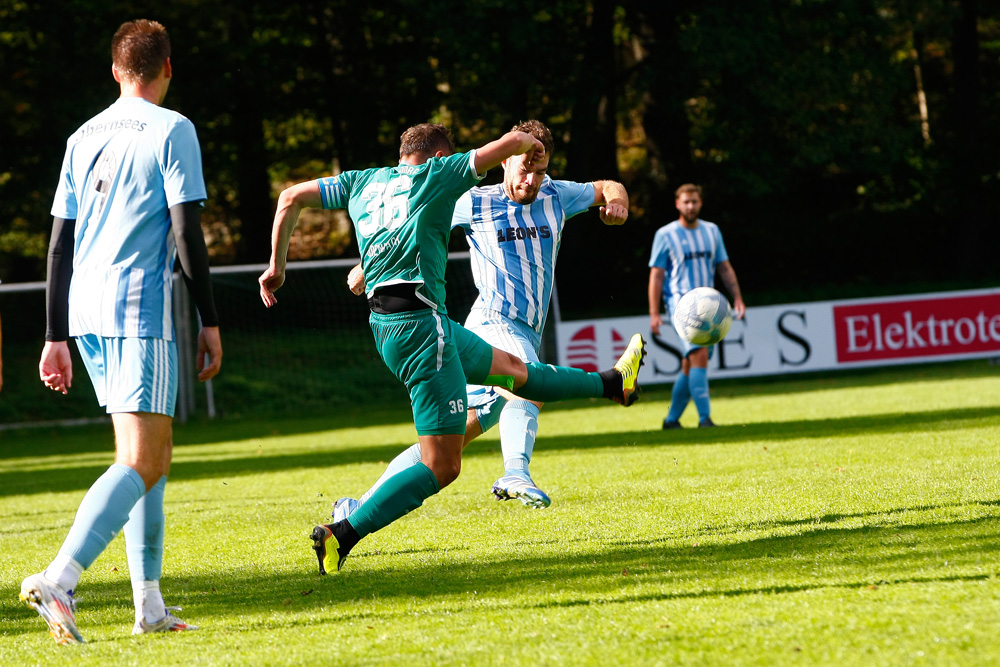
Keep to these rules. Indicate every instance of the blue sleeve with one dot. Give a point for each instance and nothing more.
(720, 254)
(183, 180)
(335, 191)
(64, 205)
(463, 212)
(659, 257)
(575, 197)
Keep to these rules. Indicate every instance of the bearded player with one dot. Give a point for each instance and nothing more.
(514, 230)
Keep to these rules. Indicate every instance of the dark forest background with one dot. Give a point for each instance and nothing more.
(847, 148)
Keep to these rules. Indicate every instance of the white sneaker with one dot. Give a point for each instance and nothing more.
(54, 605)
(168, 623)
(509, 487)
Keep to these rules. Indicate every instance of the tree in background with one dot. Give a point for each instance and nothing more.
(842, 141)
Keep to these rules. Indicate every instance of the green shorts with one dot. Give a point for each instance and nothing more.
(435, 358)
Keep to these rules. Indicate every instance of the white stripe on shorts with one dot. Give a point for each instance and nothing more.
(160, 377)
(440, 345)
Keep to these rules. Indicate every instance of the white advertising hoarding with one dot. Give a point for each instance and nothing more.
(800, 337)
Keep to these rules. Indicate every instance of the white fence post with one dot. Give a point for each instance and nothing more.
(185, 347)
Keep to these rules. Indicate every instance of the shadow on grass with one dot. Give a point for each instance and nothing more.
(52, 440)
(321, 416)
(77, 477)
(864, 558)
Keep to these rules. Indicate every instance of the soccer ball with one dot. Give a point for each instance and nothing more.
(703, 316)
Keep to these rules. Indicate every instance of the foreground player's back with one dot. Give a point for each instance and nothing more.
(122, 172)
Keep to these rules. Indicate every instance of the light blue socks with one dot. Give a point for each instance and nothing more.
(699, 392)
(102, 513)
(144, 548)
(144, 535)
(518, 430)
(679, 398)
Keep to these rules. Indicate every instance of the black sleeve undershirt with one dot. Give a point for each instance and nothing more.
(192, 255)
(60, 272)
(191, 251)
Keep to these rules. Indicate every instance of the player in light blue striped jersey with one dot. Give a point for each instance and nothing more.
(688, 253)
(127, 203)
(514, 230)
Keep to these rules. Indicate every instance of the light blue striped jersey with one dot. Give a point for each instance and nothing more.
(688, 256)
(123, 170)
(514, 246)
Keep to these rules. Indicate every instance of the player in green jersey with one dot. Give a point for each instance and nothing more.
(402, 217)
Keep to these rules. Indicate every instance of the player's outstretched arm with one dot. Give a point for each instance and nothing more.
(613, 198)
(655, 294)
(727, 274)
(291, 201)
(512, 143)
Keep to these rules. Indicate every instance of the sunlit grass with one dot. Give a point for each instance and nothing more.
(845, 520)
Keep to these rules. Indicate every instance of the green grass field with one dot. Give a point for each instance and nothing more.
(848, 520)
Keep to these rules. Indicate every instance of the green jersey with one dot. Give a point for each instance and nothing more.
(402, 217)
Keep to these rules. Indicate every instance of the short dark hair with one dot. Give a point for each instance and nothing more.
(426, 139)
(139, 49)
(537, 129)
(688, 187)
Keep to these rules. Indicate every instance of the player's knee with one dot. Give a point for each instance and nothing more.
(518, 370)
(505, 363)
(149, 471)
(448, 471)
(699, 358)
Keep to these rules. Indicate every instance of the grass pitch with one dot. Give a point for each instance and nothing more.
(849, 520)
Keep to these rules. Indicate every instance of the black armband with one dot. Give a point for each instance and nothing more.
(59, 275)
(193, 257)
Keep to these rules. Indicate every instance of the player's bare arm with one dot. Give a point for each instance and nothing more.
(613, 198)
(655, 294)
(291, 201)
(728, 277)
(512, 143)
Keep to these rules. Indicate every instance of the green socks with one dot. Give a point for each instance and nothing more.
(558, 383)
(399, 495)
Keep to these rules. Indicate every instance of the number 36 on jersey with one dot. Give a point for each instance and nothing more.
(386, 206)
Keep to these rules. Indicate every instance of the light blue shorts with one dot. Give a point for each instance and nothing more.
(504, 334)
(132, 374)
